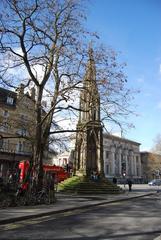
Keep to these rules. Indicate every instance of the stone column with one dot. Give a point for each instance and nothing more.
(140, 170)
(131, 162)
(113, 161)
(127, 167)
(120, 172)
(134, 163)
(125, 159)
(107, 161)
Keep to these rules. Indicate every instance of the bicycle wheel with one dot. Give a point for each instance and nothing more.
(46, 199)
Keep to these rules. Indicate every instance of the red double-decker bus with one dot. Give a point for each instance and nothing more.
(58, 172)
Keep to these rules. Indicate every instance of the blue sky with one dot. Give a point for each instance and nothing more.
(134, 28)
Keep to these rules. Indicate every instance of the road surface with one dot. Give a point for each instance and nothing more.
(134, 219)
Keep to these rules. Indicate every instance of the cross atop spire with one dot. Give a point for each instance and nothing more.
(90, 53)
(90, 75)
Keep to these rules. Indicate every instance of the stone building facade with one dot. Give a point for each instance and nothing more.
(17, 127)
(121, 158)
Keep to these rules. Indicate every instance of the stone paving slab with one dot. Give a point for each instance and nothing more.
(158, 238)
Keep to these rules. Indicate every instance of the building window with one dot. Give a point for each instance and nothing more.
(4, 127)
(123, 168)
(107, 154)
(107, 169)
(137, 171)
(5, 113)
(10, 100)
(22, 132)
(19, 147)
(5, 145)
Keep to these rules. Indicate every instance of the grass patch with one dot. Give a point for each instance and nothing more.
(70, 183)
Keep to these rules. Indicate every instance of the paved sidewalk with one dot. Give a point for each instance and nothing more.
(65, 202)
(158, 238)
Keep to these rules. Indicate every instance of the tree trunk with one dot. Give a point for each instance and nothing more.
(39, 144)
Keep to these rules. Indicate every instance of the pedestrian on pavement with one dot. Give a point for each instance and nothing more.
(114, 180)
(129, 182)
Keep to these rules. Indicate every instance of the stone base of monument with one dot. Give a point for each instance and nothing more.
(85, 185)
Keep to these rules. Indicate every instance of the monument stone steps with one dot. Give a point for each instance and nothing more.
(87, 186)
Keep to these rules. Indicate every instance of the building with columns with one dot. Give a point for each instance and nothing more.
(121, 158)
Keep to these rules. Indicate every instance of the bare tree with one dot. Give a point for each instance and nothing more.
(43, 41)
(42, 38)
(116, 98)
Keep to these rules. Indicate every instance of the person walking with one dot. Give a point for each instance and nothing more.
(129, 182)
(114, 180)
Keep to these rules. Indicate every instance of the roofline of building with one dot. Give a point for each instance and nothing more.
(7, 91)
(113, 137)
(15, 93)
(146, 152)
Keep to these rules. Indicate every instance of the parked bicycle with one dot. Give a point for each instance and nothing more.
(40, 197)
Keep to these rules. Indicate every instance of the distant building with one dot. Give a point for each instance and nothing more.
(151, 165)
(121, 158)
(63, 159)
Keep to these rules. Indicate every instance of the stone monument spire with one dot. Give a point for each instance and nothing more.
(89, 140)
(89, 99)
